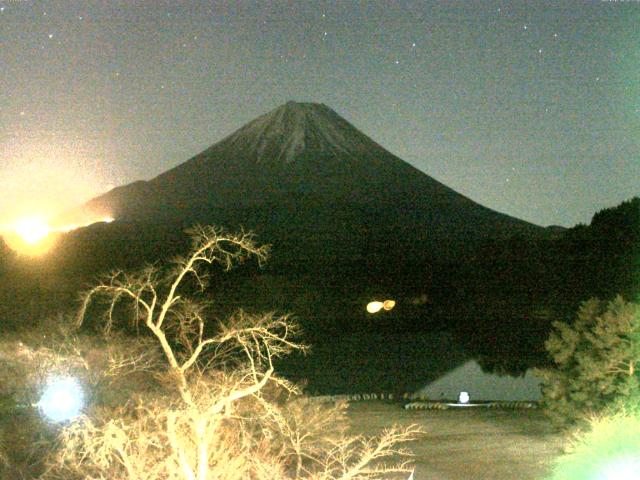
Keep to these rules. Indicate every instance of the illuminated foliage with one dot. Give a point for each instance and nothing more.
(219, 411)
(30, 359)
(596, 361)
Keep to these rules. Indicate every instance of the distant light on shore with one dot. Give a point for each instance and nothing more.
(463, 397)
(376, 306)
(75, 226)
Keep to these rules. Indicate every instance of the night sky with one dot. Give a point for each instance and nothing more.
(532, 110)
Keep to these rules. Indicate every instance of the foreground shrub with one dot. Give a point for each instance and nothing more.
(596, 361)
(219, 411)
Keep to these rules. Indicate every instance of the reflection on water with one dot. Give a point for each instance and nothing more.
(376, 362)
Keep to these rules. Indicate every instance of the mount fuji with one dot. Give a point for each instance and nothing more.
(306, 180)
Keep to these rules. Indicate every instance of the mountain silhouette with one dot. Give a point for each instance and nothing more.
(306, 180)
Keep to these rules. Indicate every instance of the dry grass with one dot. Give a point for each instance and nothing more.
(469, 444)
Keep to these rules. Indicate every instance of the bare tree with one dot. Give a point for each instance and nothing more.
(222, 412)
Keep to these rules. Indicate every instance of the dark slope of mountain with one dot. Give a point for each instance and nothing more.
(307, 180)
(603, 258)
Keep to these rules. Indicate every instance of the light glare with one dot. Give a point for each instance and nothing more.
(624, 469)
(374, 307)
(62, 399)
(32, 229)
(33, 236)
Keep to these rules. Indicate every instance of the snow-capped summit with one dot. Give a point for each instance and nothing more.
(293, 128)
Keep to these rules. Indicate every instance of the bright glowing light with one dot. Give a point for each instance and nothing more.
(62, 399)
(32, 229)
(463, 397)
(374, 307)
(69, 228)
(33, 236)
(609, 450)
(623, 469)
(389, 304)
(74, 226)
(49, 175)
(29, 235)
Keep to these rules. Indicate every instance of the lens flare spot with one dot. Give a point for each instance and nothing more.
(32, 229)
(33, 236)
(62, 400)
(626, 468)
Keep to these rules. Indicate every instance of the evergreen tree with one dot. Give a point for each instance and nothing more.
(596, 361)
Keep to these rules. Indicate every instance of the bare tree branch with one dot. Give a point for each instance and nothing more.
(222, 415)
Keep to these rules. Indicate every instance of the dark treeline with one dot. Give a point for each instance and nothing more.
(517, 287)
(496, 301)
